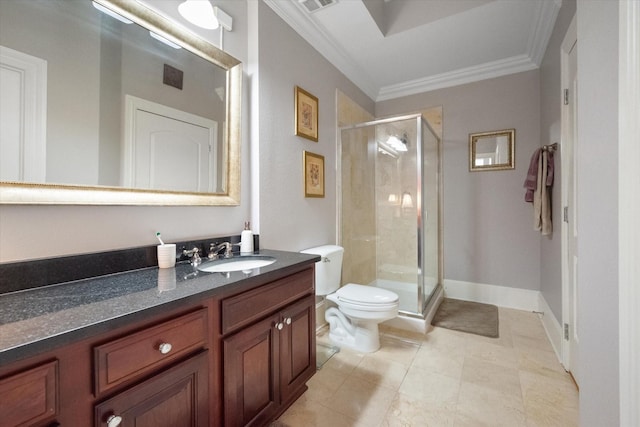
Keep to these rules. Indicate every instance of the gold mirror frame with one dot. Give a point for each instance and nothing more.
(56, 194)
(501, 159)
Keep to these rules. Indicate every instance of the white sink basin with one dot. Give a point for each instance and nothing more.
(236, 264)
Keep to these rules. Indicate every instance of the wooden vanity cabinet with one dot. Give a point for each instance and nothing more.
(267, 363)
(237, 358)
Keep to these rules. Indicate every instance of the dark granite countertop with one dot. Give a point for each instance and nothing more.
(35, 320)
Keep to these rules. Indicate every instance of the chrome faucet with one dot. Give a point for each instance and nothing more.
(214, 248)
(194, 255)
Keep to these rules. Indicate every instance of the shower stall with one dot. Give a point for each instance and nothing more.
(390, 208)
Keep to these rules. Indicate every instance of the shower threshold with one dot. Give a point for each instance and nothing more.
(324, 352)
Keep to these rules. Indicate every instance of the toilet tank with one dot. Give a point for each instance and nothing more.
(328, 269)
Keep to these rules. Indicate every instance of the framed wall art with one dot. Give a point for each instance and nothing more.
(306, 107)
(313, 166)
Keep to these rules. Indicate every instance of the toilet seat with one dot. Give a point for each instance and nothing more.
(354, 305)
(366, 296)
(360, 298)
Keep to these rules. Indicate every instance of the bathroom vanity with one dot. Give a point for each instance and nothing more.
(147, 348)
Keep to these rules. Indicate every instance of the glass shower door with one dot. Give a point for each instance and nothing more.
(430, 215)
(397, 200)
(389, 208)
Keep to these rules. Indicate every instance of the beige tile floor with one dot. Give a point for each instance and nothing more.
(443, 378)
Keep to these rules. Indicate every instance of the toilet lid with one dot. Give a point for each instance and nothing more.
(361, 294)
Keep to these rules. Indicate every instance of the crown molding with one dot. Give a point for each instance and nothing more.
(317, 36)
(489, 70)
(547, 13)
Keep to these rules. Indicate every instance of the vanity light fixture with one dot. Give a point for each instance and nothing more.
(224, 19)
(200, 13)
(111, 13)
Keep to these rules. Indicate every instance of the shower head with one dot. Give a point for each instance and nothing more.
(396, 143)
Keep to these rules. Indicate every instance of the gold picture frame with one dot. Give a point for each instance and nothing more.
(306, 106)
(313, 166)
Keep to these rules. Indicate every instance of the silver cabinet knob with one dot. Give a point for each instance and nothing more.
(114, 421)
(279, 326)
(287, 320)
(164, 348)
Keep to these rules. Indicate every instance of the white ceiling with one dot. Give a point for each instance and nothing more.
(394, 48)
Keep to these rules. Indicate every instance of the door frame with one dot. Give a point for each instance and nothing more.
(567, 44)
(629, 211)
(33, 72)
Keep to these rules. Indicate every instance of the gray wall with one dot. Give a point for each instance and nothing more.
(488, 227)
(288, 220)
(597, 172)
(550, 132)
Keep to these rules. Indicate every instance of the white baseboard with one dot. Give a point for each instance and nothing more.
(520, 299)
(551, 326)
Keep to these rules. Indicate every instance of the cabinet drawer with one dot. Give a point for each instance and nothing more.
(139, 353)
(247, 307)
(30, 397)
(178, 396)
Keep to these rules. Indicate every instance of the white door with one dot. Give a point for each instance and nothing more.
(168, 149)
(570, 227)
(23, 116)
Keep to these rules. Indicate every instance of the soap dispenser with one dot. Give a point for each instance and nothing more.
(246, 239)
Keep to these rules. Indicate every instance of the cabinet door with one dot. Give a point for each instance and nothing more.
(29, 398)
(176, 397)
(297, 346)
(251, 373)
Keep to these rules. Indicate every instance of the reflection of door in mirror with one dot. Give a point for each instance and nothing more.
(492, 151)
(168, 149)
(23, 85)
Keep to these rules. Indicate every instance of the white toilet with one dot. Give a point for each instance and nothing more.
(354, 323)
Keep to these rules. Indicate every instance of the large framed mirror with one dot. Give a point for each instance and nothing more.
(105, 111)
(492, 150)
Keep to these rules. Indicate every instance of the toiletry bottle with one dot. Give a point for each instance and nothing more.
(246, 239)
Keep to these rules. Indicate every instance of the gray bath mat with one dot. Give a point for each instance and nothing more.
(466, 316)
